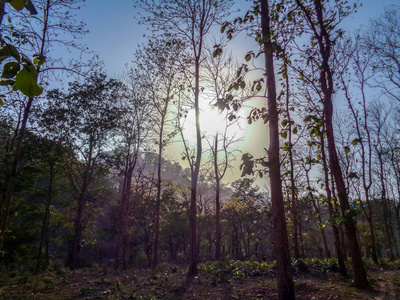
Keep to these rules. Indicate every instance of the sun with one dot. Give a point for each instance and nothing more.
(212, 121)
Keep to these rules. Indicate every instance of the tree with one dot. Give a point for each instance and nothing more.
(134, 129)
(162, 74)
(191, 22)
(85, 118)
(285, 281)
(318, 18)
(382, 40)
(35, 36)
(220, 71)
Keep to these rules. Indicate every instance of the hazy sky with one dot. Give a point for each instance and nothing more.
(114, 35)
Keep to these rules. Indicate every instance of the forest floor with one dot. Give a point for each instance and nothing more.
(170, 282)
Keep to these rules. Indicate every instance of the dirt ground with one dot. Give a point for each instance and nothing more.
(170, 282)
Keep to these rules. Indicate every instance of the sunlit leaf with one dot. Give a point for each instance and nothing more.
(26, 82)
(18, 4)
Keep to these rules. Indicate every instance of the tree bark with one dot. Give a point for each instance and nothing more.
(335, 228)
(285, 281)
(217, 203)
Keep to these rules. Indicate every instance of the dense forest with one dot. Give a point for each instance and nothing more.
(105, 178)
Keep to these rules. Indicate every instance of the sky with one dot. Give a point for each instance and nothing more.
(114, 34)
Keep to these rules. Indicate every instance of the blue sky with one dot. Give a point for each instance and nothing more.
(114, 33)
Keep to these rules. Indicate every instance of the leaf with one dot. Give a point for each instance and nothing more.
(217, 52)
(223, 27)
(18, 4)
(347, 149)
(30, 7)
(284, 134)
(231, 118)
(26, 82)
(10, 69)
(1, 102)
(247, 57)
(353, 175)
(9, 51)
(7, 82)
(40, 60)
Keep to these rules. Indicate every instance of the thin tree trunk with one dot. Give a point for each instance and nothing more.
(158, 199)
(46, 219)
(335, 228)
(293, 192)
(284, 278)
(193, 252)
(217, 204)
(326, 82)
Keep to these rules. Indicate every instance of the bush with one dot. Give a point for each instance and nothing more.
(300, 265)
(384, 262)
(331, 264)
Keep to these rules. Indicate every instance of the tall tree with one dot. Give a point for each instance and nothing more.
(220, 74)
(161, 71)
(191, 22)
(85, 117)
(318, 17)
(133, 131)
(33, 36)
(285, 281)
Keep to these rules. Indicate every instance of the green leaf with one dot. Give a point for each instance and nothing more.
(295, 130)
(40, 60)
(284, 134)
(7, 82)
(223, 27)
(356, 141)
(347, 149)
(217, 52)
(26, 82)
(18, 4)
(10, 69)
(247, 57)
(1, 102)
(9, 51)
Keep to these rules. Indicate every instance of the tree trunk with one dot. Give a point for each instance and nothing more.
(46, 221)
(158, 199)
(193, 253)
(285, 281)
(335, 228)
(326, 83)
(217, 204)
(74, 244)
